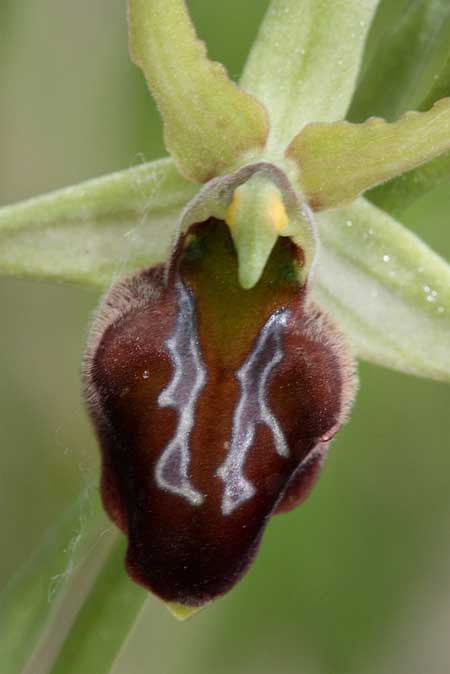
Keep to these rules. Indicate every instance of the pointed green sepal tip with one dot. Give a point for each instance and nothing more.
(256, 217)
(182, 612)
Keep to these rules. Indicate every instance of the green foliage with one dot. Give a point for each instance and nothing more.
(407, 67)
(407, 60)
(104, 621)
(40, 591)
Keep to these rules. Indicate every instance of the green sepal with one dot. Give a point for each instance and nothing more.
(305, 61)
(93, 232)
(389, 292)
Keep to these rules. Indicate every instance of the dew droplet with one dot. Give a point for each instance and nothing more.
(426, 289)
(440, 310)
(349, 223)
(145, 374)
(386, 258)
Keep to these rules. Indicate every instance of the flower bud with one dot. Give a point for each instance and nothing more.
(213, 406)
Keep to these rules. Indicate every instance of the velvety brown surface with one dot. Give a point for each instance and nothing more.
(301, 482)
(185, 552)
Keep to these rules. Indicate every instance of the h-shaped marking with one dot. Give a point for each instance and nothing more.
(182, 392)
(251, 409)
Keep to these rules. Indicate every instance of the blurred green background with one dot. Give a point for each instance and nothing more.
(355, 581)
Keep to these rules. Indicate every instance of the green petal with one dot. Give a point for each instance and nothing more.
(305, 62)
(400, 193)
(389, 291)
(408, 56)
(104, 621)
(339, 161)
(210, 125)
(95, 231)
(33, 600)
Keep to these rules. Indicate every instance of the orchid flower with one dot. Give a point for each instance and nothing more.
(221, 361)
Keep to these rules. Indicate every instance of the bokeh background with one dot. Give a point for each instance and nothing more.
(357, 580)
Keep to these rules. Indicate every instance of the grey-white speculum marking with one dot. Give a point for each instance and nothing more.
(183, 392)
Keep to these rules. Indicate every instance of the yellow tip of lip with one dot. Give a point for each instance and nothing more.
(182, 612)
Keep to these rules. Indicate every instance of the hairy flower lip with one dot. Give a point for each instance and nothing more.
(191, 549)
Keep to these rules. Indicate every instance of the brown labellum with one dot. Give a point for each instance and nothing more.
(213, 406)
